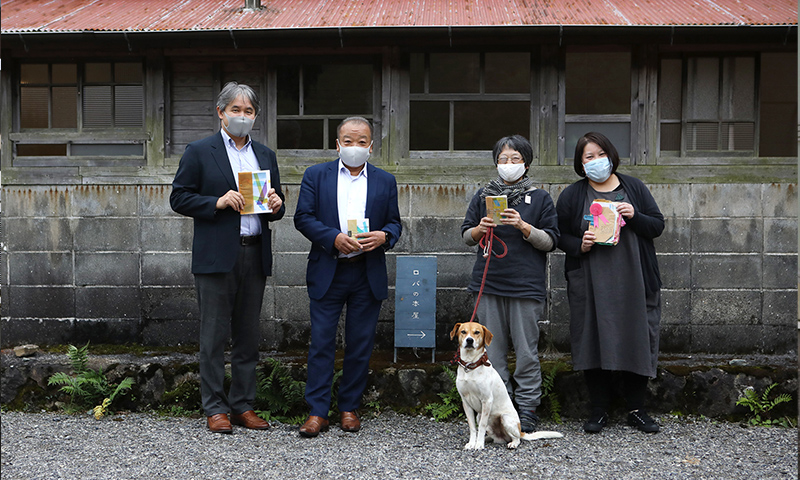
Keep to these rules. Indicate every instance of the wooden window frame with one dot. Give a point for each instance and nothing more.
(306, 156)
(708, 157)
(472, 157)
(565, 157)
(78, 135)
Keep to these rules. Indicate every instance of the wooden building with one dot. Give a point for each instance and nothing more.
(99, 99)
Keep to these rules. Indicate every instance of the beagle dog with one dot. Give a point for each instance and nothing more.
(483, 391)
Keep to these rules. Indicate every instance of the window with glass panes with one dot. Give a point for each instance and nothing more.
(112, 95)
(79, 97)
(312, 99)
(598, 98)
(467, 101)
(729, 105)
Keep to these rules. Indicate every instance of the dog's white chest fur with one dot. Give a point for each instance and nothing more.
(472, 386)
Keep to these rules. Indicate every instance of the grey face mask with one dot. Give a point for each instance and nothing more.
(238, 126)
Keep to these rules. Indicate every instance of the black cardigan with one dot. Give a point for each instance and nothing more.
(647, 224)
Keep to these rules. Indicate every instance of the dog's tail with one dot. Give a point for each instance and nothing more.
(540, 435)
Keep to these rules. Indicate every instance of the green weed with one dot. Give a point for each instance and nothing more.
(87, 387)
(550, 402)
(761, 407)
(278, 395)
(450, 407)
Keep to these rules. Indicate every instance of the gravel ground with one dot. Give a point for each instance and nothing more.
(390, 446)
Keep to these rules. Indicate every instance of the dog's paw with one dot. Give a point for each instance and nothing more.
(513, 444)
(469, 446)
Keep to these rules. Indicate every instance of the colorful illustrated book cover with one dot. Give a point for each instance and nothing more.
(356, 226)
(605, 221)
(495, 207)
(254, 186)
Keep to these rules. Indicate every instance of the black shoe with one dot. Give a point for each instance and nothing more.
(641, 420)
(529, 421)
(596, 422)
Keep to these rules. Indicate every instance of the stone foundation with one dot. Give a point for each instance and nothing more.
(686, 384)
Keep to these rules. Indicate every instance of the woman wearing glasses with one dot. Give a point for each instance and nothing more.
(514, 294)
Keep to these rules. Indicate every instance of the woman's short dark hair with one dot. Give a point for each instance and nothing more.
(603, 142)
(514, 142)
(232, 90)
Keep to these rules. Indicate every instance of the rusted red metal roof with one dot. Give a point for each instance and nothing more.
(199, 15)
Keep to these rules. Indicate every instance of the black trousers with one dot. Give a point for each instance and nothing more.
(230, 303)
(601, 388)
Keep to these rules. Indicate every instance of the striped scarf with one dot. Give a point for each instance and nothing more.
(514, 192)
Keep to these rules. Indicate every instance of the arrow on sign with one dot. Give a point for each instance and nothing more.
(421, 334)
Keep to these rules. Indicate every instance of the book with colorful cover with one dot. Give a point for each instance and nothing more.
(255, 186)
(605, 221)
(495, 207)
(356, 226)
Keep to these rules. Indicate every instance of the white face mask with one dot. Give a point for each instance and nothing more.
(238, 126)
(354, 156)
(511, 172)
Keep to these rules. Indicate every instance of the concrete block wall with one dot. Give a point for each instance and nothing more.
(111, 264)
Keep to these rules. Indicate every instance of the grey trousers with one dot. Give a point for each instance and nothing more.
(515, 322)
(230, 302)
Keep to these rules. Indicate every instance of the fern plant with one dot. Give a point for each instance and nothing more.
(337, 375)
(549, 398)
(87, 387)
(450, 406)
(278, 395)
(761, 406)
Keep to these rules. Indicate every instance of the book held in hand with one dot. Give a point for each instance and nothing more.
(495, 207)
(605, 221)
(356, 226)
(255, 186)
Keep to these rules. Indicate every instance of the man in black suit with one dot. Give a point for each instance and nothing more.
(231, 254)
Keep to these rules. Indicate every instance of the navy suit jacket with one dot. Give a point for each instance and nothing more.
(317, 218)
(204, 175)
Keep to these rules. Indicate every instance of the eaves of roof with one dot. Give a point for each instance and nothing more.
(64, 16)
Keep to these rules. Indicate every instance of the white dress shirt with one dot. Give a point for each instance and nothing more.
(351, 198)
(243, 160)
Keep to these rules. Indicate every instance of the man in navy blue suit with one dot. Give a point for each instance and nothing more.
(231, 254)
(345, 267)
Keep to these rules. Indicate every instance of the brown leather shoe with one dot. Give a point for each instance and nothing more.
(350, 422)
(313, 426)
(249, 419)
(219, 423)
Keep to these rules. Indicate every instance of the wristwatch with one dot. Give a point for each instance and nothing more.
(386, 236)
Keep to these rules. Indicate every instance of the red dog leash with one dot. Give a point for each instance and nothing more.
(486, 243)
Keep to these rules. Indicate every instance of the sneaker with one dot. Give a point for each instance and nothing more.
(529, 421)
(641, 420)
(596, 422)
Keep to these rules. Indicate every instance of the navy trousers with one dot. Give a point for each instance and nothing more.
(350, 287)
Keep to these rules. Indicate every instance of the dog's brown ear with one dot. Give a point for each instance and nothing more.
(455, 330)
(487, 336)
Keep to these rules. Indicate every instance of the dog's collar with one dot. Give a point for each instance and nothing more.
(484, 360)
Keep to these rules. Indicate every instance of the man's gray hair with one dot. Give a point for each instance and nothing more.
(361, 120)
(231, 90)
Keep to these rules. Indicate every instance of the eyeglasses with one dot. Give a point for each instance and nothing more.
(512, 159)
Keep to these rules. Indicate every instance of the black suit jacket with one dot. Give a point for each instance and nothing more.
(204, 175)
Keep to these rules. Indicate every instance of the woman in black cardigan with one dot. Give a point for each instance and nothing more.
(614, 291)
